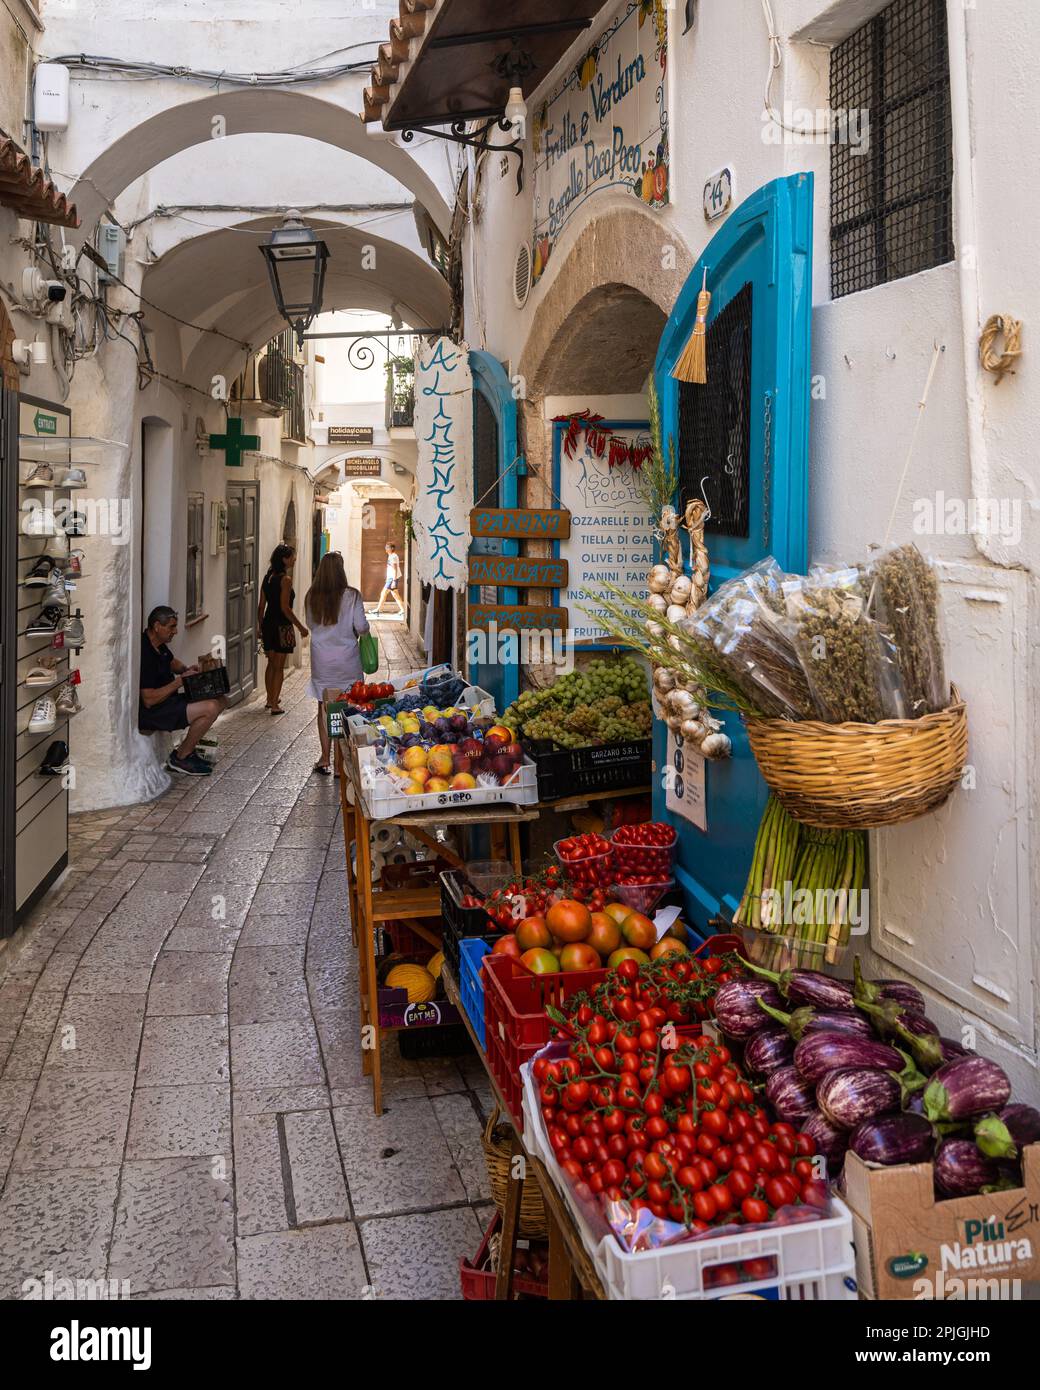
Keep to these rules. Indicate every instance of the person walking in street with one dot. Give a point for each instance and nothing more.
(277, 622)
(392, 580)
(162, 704)
(336, 614)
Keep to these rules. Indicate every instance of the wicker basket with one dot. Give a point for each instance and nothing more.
(858, 776)
(497, 1142)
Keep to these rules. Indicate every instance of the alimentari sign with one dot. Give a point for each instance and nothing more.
(605, 125)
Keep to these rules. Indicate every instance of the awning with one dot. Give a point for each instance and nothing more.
(29, 191)
(440, 63)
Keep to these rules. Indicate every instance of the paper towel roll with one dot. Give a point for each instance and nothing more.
(401, 855)
(384, 837)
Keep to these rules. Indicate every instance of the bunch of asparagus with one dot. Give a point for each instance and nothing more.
(800, 885)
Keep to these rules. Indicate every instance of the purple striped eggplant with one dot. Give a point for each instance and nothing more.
(961, 1171)
(851, 1095)
(767, 1050)
(791, 1096)
(890, 1139)
(819, 1053)
(736, 1006)
(809, 987)
(830, 1141)
(918, 1034)
(950, 1048)
(1001, 1136)
(876, 991)
(809, 1020)
(965, 1087)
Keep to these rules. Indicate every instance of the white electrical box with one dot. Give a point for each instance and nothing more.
(111, 245)
(51, 97)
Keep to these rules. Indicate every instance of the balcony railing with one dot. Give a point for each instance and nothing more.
(400, 402)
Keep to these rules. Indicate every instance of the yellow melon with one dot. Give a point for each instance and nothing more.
(416, 979)
(435, 965)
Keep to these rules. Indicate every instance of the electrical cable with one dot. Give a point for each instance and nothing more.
(129, 68)
(776, 59)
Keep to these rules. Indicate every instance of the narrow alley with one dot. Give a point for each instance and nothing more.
(181, 1098)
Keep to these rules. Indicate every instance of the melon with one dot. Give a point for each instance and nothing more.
(435, 964)
(416, 979)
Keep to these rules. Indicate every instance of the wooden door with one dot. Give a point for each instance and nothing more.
(243, 542)
(381, 521)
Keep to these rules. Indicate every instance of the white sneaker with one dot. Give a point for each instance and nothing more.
(44, 672)
(67, 703)
(56, 594)
(75, 477)
(44, 718)
(39, 521)
(39, 475)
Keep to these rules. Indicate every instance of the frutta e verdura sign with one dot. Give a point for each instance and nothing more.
(604, 126)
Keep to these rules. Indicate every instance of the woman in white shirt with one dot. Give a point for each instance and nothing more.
(336, 616)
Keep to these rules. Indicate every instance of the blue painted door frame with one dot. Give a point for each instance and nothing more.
(489, 379)
(767, 241)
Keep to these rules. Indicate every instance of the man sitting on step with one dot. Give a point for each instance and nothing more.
(163, 704)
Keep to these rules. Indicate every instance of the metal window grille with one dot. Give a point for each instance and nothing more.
(196, 527)
(891, 186)
(715, 422)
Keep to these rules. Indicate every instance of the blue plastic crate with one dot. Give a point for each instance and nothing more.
(472, 950)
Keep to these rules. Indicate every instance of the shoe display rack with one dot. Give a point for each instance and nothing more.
(42, 524)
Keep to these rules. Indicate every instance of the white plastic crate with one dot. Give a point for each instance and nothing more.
(382, 802)
(477, 701)
(813, 1261)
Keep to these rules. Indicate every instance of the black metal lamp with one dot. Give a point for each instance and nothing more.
(296, 262)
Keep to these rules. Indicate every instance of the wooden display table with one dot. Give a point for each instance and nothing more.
(570, 1270)
(418, 908)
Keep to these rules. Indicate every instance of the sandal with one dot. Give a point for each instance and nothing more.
(323, 769)
(277, 711)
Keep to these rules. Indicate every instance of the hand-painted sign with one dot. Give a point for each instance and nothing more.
(518, 571)
(515, 616)
(351, 434)
(444, 467)
(520, 524)
(611, 532)
(604, 127)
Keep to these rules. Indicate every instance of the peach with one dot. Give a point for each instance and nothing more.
(414, 757)
(441, 761)
(463, 782)
(437, 784)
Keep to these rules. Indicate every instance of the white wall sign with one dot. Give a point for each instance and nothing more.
(719, 192)
(604, 127)
(611, 535)
(444, 467)
(685, 782)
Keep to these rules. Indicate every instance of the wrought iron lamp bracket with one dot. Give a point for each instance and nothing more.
(476, 139)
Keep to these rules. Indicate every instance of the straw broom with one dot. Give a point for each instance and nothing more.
(692, 365)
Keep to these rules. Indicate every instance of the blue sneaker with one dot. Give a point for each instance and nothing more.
(191, 766)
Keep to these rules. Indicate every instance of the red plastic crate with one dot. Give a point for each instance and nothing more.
(478, 1284)
(515, 998)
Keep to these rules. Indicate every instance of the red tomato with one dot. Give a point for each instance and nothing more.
(754, 1210)
(704, 1205)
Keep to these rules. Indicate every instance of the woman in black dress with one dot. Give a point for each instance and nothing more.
(278, 622)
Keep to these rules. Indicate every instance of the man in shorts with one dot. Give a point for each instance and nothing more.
(392, 580)
(163, 704)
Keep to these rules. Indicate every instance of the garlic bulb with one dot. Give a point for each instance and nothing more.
(693, 730)
(676, 643)
(664, 680)
(674, 722)
(717, 746)
(682, 587)
(675, 613)
(681, 703)
(658, 602)
(655, 629)
(660, 579)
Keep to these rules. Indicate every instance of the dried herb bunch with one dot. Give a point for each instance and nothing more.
(841, 650)
(907, 605)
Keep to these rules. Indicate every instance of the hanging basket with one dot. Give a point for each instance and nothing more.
(860, 776)
(497, 1154)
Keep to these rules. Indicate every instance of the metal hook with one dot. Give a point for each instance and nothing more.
(890, 354)
(848, 359)
(707, 515)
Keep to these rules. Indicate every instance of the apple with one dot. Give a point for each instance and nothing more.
(540, 962)
(463, 782)
(515, 751)
(578, 955)
(471, 747)
(461, 763)
(500, 733)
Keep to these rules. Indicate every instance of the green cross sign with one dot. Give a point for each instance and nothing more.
(234, 443)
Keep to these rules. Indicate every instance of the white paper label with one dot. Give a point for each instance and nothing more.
(685, 793)
(664, 920)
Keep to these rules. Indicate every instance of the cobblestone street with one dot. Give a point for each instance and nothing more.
(181, 1098)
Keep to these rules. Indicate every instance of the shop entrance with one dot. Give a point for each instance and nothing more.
(243, 539)
(382, 521)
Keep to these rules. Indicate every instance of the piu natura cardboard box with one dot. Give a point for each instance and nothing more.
(910, 1245)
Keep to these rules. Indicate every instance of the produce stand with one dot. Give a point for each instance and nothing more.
(418, 908)
(570, 1268)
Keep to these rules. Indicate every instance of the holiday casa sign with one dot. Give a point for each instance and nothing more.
(604, 128)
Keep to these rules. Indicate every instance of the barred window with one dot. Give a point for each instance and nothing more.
(196, 525)
(891, 186)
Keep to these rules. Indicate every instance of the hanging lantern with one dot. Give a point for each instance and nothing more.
(296, 262)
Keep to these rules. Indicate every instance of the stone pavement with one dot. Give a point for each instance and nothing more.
(181, 1098)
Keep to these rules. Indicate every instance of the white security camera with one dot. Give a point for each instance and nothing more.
(37, 290)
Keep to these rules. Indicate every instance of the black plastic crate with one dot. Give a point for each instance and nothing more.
(207, 685)
(447, 1040)
(566, 772)
(459, 921)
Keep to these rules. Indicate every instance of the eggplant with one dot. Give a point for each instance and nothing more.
(819, 1053)
(1001, 1136)
(791, 1096)
(961, 1171)
(964, 1087)
(810, 1020)
(890, 1139)
(830, 1141)
(736, 1006)
(951, 1049)
(767, 1050)
(876, 991)
(809, 987)
(918, 1034)
(851, 1095)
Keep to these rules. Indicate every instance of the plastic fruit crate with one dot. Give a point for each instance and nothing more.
(811, 1260)
(571, 771)
(504, 1065)
(644, 859)
(207, 685)
(478, 1282)
(515, 999)
(472, 950)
